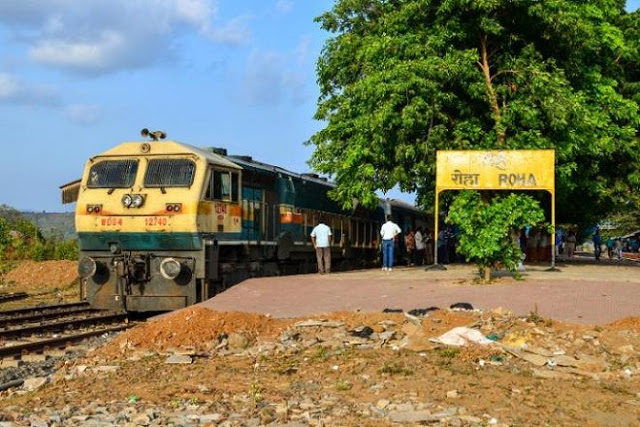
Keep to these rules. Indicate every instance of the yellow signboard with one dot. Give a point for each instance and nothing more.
(496, 170)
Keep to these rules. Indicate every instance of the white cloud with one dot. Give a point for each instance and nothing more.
(83, 113)
(97, 54)
(99, 36)
(284, 6)
(15, 91)
(234, 32)
(273, 77)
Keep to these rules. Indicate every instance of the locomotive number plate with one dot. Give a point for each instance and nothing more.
(156, 221)
(110, 221)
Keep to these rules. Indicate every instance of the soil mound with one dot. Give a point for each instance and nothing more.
(32, 276)
(195, 327)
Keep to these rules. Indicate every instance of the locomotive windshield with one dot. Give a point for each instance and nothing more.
(169, 173)
(113, 174)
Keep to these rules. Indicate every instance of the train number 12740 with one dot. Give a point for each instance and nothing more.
(156, 220)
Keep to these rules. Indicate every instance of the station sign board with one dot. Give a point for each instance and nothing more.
(496, 170)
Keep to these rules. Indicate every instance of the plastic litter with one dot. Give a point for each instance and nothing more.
(362, 332)
(461, 306)
(461, 336)
(422, 311)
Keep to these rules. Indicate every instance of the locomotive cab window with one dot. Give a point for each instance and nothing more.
(113, 174)
(169, 173)
(223, 185)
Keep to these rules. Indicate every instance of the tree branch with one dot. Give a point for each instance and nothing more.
(501, 132)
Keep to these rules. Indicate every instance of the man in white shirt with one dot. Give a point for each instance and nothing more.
(419, 246)
(321, 238)
(388, 232)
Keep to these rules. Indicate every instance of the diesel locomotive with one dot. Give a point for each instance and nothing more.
(162, 225)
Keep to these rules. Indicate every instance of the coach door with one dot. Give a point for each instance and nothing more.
(253, 216)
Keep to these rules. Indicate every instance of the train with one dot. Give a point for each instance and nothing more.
(162, 225)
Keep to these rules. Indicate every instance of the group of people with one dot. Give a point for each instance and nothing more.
(535, 244)
(418, 245)
(566, 245)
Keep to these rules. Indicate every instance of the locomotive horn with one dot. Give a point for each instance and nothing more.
(155, 135)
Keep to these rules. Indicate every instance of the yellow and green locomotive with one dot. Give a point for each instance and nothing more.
(162, 225)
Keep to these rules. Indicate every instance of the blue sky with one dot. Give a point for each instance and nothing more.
(77, 77)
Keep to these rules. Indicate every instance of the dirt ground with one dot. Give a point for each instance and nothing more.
(46, 282)
(350, 368)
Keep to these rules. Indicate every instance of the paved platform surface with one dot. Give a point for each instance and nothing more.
(578, 293)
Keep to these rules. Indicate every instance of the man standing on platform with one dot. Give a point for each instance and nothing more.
(597, 244)
(389, 231)
(321, 238)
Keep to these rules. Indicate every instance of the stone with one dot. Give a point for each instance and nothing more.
(453, 394)
(626, 349)
(413, 416)
(10, 363)
(31, 384)
(178, 359)
(237, 341)
(80, 369)
(105, 369)
(30, 358)
(56, 353)
(590, 363)
(382, 403)
(142, 419)
(211, 418)
(35, 421)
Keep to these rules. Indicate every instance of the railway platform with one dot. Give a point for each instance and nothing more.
(581, 292)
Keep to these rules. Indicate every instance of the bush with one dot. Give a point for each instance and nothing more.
(66, 250)
(486, 227)
(38, 251)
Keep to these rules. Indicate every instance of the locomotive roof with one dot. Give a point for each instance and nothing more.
(169, 147)
(247, 161)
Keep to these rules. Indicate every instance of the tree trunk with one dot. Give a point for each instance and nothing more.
(487, 275)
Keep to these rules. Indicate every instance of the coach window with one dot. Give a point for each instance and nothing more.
(113, 174)
(221, 186)
(169, 173)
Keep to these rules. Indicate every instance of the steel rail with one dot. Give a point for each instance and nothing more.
(13, 296)
(53, 307)
(59, 342)
(30, 318)
(61, 325)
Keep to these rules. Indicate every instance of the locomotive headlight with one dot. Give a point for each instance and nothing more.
(87, 267)
(170, 268)
(114, 248)
(127, 200)
(136, 200)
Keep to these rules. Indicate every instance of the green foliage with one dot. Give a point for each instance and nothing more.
(5, 237)
(343, 384)
(22, 239)
(38, 251)
(391, 368)
(448, 352)
(401, 79)
(66, 250)
(487, 229)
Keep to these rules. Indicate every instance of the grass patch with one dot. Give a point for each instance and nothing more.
(390, 368)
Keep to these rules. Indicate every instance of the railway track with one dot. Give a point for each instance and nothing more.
(13, 296)
(37, 329)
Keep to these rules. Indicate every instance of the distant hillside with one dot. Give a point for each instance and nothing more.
(56, 225)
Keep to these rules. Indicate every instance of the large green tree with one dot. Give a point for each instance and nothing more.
(400, 79)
